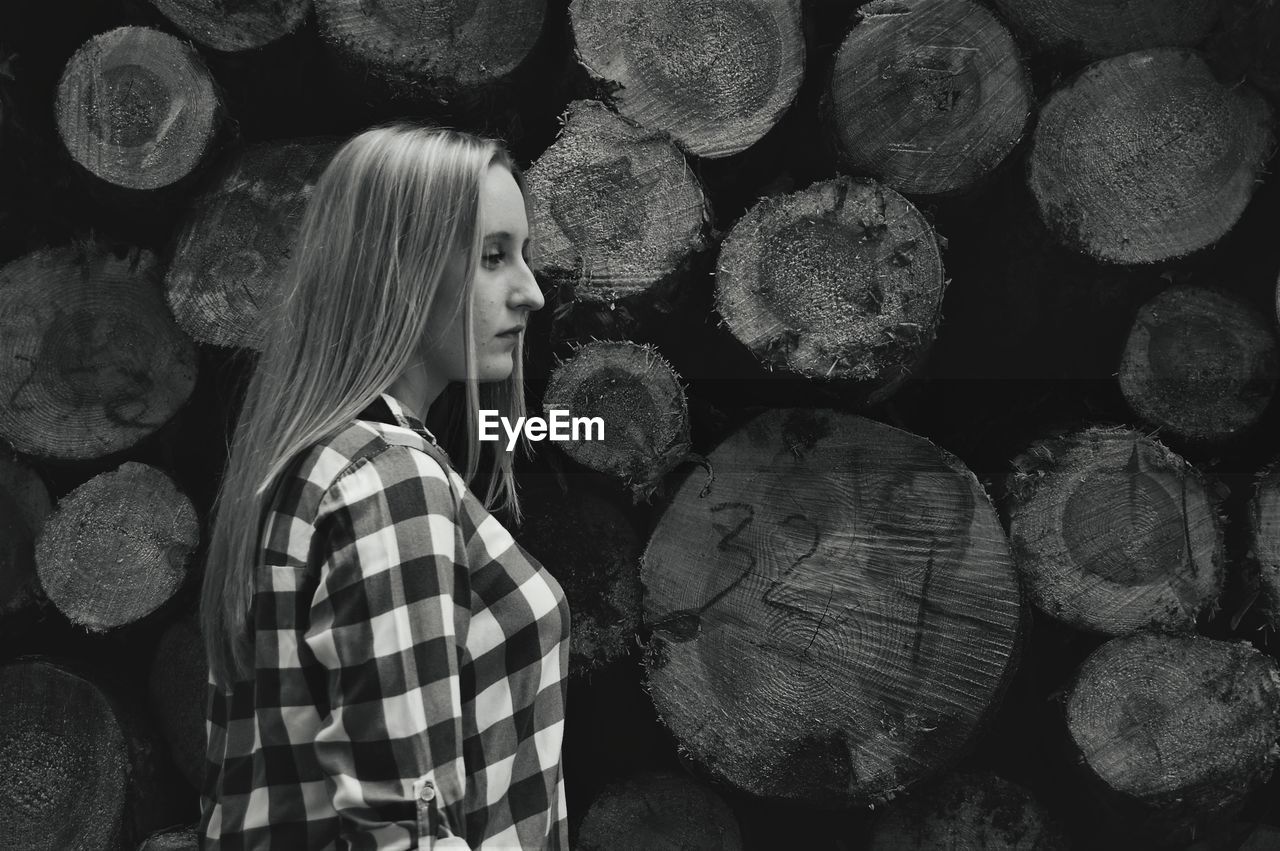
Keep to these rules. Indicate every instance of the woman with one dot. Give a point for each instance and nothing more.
(387, 666)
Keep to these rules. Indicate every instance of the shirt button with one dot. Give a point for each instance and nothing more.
(427, 792)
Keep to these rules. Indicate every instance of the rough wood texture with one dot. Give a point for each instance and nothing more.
(715, 74)
(90, 359)
(928, 96)
(1248, 43)
(117, 547)
(64, 762)
(1113, 532)
(659, 812)
(172, 839)
(968, 811)
(1264, 533)
(441, 45)
(1102, 28)
(1147, 157)
(842, 280)
(237, 240)
(176, 690)
(24, 505)
(138, 108)
(1179, 727)
(593, 549)
(236, 25)
(638, 396)
(615, 207)
(1200, 363)
(834, 615)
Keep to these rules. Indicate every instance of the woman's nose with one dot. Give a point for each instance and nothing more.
(529, 293)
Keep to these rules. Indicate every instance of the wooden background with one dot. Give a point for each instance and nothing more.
(1027, 341)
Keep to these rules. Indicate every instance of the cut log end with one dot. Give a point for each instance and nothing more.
(834, 616)
(1200, 363)
(716, 76)
(1101, 28)
(589, 545)
(446, 46)
(117, 547)
(1147, 157)
(1112, 532)
(1248, 43)
(90, 359)
(64, 761)
(176, 685)
(843, 280)
(137, 108)
(928, 96)
(659, 812)
(172, 839)
(968, 811)
(234, 27)
(638, 397)
(1184, 726)
(616, 207)
(24, 506)
(236, 244)
(1264, 531)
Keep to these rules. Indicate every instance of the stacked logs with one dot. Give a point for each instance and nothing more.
(932, 342)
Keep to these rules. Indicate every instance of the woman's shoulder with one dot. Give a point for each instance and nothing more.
(388, 450)
(361, 457)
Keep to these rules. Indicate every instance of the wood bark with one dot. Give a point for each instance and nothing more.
(615, 207)
(1176, 730)
(176, 686)
(842, 281)
(1112, 532)
(236, 25)
(230, 257)
(1147, 157)
(834, 615)
(24, 506)
(137, 108)
(964, 810)
(715, 74)
(1104, 28)
(592, 547)
(928, 96)
(438, 48)
(1264, 539)
(641, 402)
(659, 811)
(117, 547)
(90, 359)
(1200, 364)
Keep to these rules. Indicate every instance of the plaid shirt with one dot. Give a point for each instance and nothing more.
(411, 664)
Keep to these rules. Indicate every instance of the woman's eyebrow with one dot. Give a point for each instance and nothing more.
(501, 234)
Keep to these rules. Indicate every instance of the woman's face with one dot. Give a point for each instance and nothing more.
(505, 290)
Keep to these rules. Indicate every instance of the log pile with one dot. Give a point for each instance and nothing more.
(934, 341)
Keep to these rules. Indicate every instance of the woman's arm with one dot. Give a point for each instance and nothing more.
(386, 623)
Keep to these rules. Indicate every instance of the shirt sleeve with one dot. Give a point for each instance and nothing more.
(387, 619)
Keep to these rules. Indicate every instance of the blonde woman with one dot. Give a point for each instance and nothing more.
(387, 667)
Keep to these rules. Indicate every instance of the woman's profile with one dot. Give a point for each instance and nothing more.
(387, 667)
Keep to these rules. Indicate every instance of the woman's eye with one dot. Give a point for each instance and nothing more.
(494, 258)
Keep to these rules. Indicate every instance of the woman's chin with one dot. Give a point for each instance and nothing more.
(497, 368)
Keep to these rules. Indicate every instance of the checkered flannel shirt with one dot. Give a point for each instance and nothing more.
(411, 664)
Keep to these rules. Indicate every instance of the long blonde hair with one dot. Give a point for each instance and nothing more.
(369, 267)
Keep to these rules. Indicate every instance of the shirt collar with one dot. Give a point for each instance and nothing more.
(388, 409)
